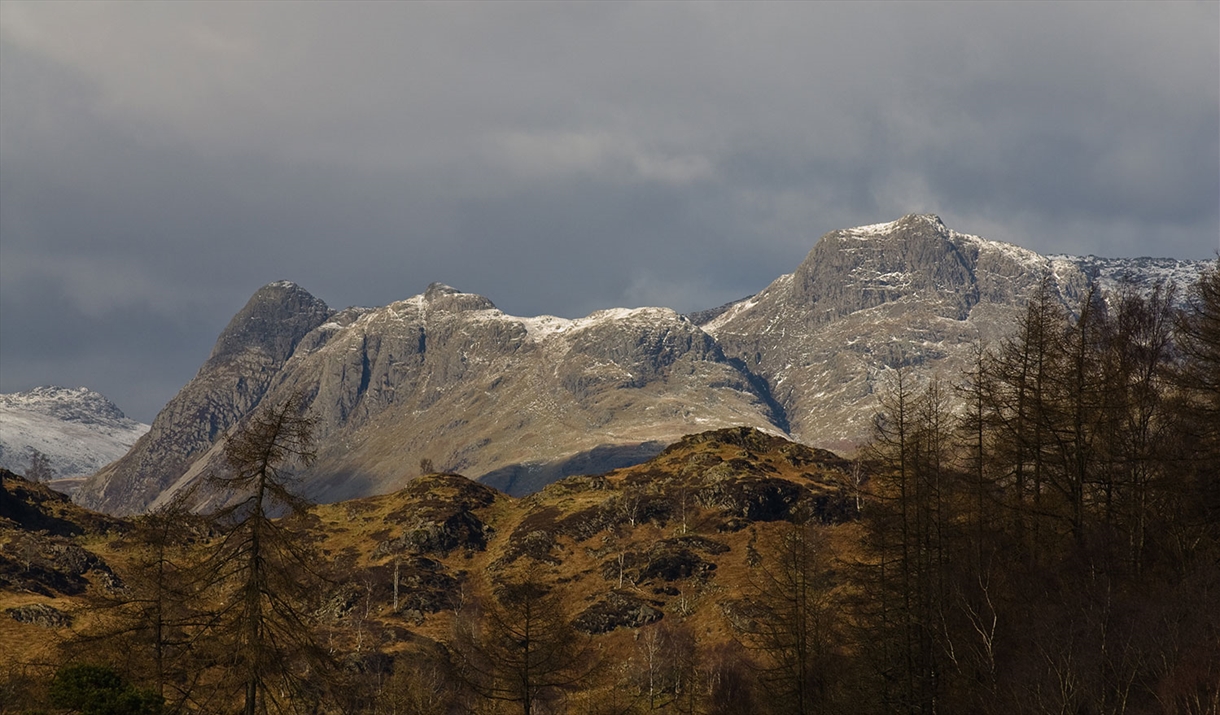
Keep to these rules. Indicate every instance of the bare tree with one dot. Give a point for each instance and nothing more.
(149, 624)
(265, 573)
(40, 467)
(662, 670)
(518, 646)
(792, 625)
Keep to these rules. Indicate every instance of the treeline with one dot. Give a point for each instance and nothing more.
(1053, 546)
(1040, 535)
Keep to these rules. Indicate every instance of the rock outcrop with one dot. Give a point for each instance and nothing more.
(248, 355)
(910, 293)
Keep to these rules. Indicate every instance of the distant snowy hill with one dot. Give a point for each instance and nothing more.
(79, 430)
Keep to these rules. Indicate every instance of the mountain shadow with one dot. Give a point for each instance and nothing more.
(528, 477)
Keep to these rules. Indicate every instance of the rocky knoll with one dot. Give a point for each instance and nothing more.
(672, 538)
(39, 551)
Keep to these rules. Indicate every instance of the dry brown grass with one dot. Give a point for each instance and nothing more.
(348, 534)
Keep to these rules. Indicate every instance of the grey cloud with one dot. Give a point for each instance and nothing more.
(135, 354)
(160, 162)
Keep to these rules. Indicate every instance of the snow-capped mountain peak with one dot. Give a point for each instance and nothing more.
(78, 430)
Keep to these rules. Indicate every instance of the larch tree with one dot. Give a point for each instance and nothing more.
(793, 625)
(150, 622)
(266, 573)
(519, 647)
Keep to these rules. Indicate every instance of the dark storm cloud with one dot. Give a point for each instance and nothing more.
(159, 162)
(136, 351)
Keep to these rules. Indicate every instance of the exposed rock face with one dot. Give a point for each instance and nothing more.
(908, 293)
(249, 353)
(446, 379)
(618, 609)
(666, 560)
(441, 518)
(443, 377)
(40, 614)
(49, 566)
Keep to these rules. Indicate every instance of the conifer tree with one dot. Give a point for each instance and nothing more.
(265, 573)
(518, 646)
(150, 622)
(793, 625)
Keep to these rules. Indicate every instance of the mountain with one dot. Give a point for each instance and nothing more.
(909, 293)
(78, 430)
(444, 377)
(446, 381)
(248, 354)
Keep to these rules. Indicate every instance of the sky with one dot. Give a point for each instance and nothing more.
(159, 162)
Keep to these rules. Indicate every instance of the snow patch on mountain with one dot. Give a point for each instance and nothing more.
(745, 305)
(543, 327)
(875, 229)
(1141, 274)
(79, 430)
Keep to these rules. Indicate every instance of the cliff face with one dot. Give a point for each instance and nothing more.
(910, 293)
(248, 354)
(443, 377)
(448, 378)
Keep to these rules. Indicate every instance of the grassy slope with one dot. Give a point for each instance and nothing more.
(565, 534)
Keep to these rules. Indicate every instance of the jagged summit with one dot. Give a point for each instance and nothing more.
(248, 355)
(71, 404)
(908, 222)
(438, 289)
(447, 377)
(910, 292)
(272, 320)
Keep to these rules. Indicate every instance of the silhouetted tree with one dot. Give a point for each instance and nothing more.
(792, 623)
(730, 685)
(150, 623)
(518, 646)
(265, 573)
(908, 534)
(1198, 339)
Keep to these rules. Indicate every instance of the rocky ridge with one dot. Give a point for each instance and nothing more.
(447, 380)
(249, 353)
(910, 293)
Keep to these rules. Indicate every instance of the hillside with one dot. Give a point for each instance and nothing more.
(734, 572)
(674, 539)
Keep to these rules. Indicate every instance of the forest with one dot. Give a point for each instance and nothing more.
(1040, 534)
